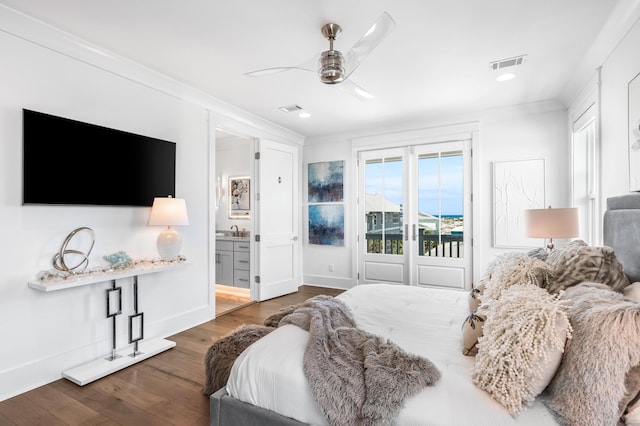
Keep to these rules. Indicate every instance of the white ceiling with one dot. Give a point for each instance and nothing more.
(435, 63)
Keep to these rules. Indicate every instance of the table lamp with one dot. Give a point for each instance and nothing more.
(170, 212)
(552, 223)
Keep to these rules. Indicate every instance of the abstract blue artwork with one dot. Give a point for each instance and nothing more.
(326, 181)
(326, 224)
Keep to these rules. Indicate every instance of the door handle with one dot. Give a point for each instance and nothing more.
(415, 233)
(295, 238)
(406, 232)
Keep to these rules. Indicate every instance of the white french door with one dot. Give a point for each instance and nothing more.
(382, 227)
(414, 214)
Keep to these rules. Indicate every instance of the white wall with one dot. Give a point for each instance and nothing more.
(523, 132)
(317, 258)
(622, 65)
(69, 327)
(43, 334)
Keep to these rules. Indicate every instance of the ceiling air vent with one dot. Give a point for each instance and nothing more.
(506, 63)
(290, 108)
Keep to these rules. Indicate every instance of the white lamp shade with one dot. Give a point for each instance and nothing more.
(168, 211)
(552, 223)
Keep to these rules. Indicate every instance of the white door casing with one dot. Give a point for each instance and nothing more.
(277, 251)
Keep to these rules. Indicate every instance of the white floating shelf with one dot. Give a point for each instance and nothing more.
(102, 367)
(98, 277)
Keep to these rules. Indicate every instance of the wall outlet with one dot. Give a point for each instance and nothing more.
(331, 267)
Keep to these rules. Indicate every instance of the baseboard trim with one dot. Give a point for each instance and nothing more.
(330, 282)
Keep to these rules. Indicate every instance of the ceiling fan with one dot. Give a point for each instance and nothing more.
(335, 68)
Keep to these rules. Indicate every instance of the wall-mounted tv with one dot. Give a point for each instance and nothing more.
(69, 162)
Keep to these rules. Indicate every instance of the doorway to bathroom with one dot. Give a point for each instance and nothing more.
(234, 216)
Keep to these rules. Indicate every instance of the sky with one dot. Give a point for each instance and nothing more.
(447, 180)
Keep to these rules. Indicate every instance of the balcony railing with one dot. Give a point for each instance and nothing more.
(446, 245)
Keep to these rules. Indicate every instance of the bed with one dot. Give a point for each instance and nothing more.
(526, 346)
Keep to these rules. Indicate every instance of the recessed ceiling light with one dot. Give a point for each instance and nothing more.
(304, 115)
(506, 76)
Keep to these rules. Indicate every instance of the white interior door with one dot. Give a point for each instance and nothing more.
(277, 260)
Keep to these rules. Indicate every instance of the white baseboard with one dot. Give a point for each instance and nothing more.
(330, 282)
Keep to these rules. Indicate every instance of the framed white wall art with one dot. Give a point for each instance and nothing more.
(517, 186)
(239, 197)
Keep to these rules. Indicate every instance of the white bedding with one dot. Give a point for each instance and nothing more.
(424, 321)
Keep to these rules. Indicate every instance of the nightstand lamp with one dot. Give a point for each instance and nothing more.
(552, 223)
(169, 212)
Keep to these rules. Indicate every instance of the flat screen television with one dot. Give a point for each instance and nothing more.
(69, 162)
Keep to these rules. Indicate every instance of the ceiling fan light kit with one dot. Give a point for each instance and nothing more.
(331, 67)
(331, 63)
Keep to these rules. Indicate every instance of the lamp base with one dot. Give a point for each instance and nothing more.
(550, 244)
(169, 243)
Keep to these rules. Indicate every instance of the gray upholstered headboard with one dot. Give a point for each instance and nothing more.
(621, 229)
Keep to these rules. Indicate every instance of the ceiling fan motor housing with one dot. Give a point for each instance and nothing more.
(331, 67)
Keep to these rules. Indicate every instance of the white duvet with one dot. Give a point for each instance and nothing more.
(424, 321)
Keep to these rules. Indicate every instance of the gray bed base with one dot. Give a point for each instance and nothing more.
(227, 411)
(621, 230)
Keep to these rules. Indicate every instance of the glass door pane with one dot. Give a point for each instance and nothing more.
(383, 205)
(411, 210)
(441, 204)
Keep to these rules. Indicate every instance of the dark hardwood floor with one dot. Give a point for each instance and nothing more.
(162, 390)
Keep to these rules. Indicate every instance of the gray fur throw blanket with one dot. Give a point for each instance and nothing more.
(221, 355)
(356, 377)
(589, 386)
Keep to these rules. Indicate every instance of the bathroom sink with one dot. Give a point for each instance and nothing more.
(222, 236)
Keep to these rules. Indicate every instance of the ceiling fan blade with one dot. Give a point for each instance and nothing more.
(308, 65)
(267, 71)
(380, 29)
(353, 89)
